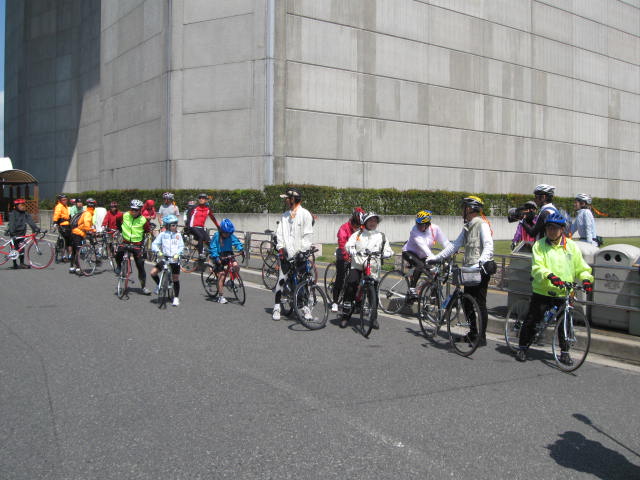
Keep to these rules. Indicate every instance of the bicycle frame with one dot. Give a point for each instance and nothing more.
(13, 253)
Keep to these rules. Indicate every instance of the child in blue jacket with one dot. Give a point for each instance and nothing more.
(221, 250)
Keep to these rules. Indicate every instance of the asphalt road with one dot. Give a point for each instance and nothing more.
(92, 387)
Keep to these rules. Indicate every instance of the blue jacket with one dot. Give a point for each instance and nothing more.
(228, 245)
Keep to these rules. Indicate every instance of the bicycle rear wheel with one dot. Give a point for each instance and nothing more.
(392, 291)
(463, 324)
(267, 247)
(516, 316)
(330, 279)
(270, 274)
(236, 287)
(429, 310)
(311, 305)
(209, 280)
(189, 258)
(578, 340)
(40, 254)
(368, 310)
(87, 260)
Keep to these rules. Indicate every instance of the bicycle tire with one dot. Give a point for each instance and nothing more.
(209, 280)
(123, 279)
(267, 247)
(270, 260)
(392, 291)
(330, 274)
(4, 258)
(163, 289)
(270, 275)
(40, 254)
(579, 340)
(368, 310)
(459, 324)
(310, 303)
(514, 320)
(87, 260)
(286, 300)
(429, 311)
(60, 249)
(189, 258)
(236, 287)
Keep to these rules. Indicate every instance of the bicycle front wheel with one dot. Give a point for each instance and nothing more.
(236, 287)
(87, 260)
(270, 274)
(163, 289)
(330, 279)
(392, 292)
(123, 278)
(209, 280)
(267, 247)
(40, 254)
(575, 328)
(311, 305)
(463, 324)
(368, 310)
(189, 258)
(429, 312)
(516, 316)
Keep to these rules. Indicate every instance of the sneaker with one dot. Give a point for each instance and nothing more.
(156, 290)
(222, 300)
(146, 291)
(78, 271)
(71, 269)
(307, 313)
(521, 355)
(334, 307)
(276, 312)
(176, 302)
(565, 358)
(23, 266)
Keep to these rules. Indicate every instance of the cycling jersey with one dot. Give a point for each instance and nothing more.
(199, 216)
(61, 215)
(420, 243)
(170, 209)
(169, 243)
(112, 221)
(85, 223)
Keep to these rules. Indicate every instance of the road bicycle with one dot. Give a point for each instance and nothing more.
(268, 247)
(88, 256)
(61, 247)
(271, 269)
(233, 281)
(107, 246)
(330, 279)
(38, 252)
(366, 297)
(394, 292)
(301, 293)
(124, 278)
(166, 292)
(149, 236)
(459, 311)
(568, 323)
(190, 257)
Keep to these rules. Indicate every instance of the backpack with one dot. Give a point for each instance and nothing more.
(73, 223)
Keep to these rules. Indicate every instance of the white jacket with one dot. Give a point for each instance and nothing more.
(168, 243)
(295, 233)
(364, 240)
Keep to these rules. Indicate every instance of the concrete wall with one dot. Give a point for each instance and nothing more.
(483, 96)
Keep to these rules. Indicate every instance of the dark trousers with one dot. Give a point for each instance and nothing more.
(76, 242)
(17, 243)
(202, 236)
(352, 285)
(479, 292)
(537, 306)
(137, 258)
(418, 266)
(341, 268)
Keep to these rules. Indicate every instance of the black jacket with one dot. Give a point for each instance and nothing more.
(18, 222)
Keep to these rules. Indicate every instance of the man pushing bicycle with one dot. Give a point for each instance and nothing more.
(133, 228)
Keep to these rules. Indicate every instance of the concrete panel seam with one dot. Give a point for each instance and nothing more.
(124, 52)
(220, 18)
(129, 127)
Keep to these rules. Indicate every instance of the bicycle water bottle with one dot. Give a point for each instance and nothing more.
(446, 301)
(549, 314)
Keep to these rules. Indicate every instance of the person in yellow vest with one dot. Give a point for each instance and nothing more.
(61, 218)
(80, 232)
(133, 228)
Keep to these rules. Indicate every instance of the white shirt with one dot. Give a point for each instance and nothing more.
(295, 231)
(371, 240)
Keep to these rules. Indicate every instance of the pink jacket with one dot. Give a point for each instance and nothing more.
(345, 231)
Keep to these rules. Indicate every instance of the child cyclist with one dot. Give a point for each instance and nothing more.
(221, 248)
(169, 245)
(222, 245)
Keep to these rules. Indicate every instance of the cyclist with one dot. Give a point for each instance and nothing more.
(133, 228)
(422, 238)
(342, 257)
(364, 240)
(98, 218)
(584, 223)
(222, 244)
(556, 259)
(191, 204)
(294, 236)
(196, 219)
(77, 207)
(149, 210)
(169, 207)
(527, 212)
(168, 245)
(543, 198)
(113, 218)
(61, 218)
(476, 238)
(18, 221)
(80, 232)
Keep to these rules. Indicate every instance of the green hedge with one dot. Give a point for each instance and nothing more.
(320, 199)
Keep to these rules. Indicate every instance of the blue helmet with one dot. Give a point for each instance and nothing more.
(555, 218)
(226, 226)
(169, 219)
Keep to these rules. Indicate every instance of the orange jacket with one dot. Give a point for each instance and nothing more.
(61, 214)
(85, 223)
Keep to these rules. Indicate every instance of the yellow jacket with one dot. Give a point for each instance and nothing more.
(61, 214)
(85, 223)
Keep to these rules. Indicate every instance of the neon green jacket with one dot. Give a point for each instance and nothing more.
(563, 260)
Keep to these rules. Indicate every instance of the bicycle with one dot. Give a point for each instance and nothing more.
(88, 256)
(233, 282)
(124, 279)
(302, 295)
(107, 246)
(459, 310)
(38, 252)
(330, 274)
(268, 247)
(61, 247)
(148, 253)
(166, 293)
(567, 322)
(271, 268)
(190, 256)
(394, 291)
(366, 297)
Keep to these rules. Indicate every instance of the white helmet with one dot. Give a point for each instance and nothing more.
(583, 197)
(545, 189)
(136, 204)
(369, 215)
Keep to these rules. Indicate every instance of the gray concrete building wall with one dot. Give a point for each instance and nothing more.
(483, 96)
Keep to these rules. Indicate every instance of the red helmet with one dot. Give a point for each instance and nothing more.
(19, 201)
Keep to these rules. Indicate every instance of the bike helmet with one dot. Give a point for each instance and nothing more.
(474, 202)
(370, 215)
(292, 193)
(203, 195)
(136, 204)
(555, 218)
(423, 216)
(169, 219)
(19, 201)
(167, 195)
(544, 189)
(91, 202)
(113, 205)
(60, 196)
(583, 197)
(226, 226)
(356, 216)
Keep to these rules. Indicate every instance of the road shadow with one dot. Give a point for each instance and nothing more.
(573, 450)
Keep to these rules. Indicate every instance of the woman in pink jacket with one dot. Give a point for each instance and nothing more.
(342, 257)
